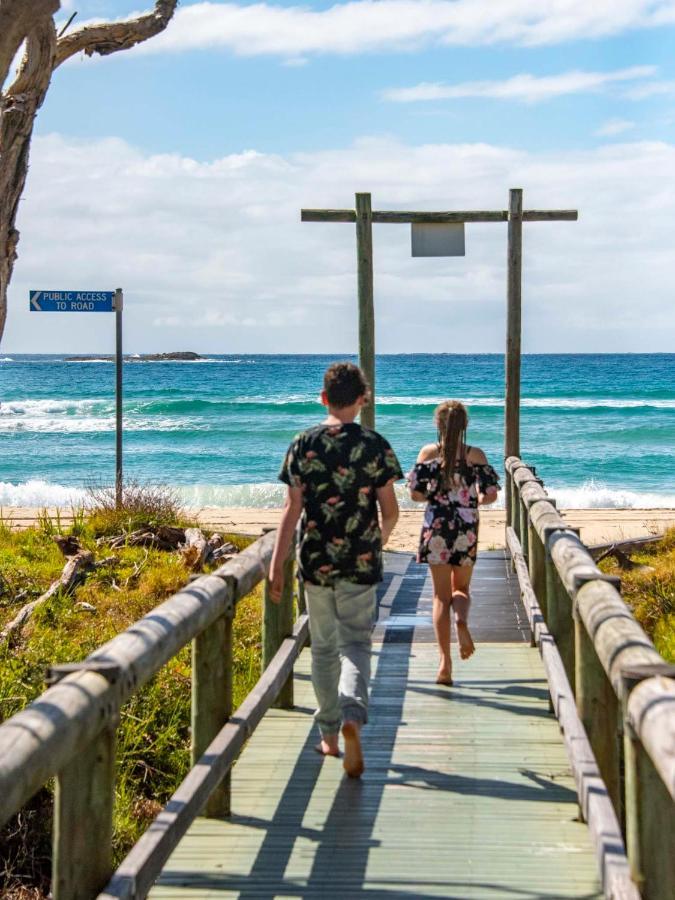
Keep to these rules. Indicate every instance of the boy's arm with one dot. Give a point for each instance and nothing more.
(289, 519)
(389, 509)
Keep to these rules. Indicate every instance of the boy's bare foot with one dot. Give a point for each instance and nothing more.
(328, 746)
(466, 644)
(353, 761)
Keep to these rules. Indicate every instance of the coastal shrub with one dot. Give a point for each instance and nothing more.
(142, 505)
(649, 590)
(153, 740)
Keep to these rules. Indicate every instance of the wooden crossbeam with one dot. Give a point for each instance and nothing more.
(364, 218)
(396, 217)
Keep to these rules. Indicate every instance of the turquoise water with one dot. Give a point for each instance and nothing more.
(601, 429)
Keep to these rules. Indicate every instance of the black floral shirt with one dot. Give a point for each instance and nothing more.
(339, 468)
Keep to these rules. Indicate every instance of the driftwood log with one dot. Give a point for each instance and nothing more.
(66, 582)
(30, 23)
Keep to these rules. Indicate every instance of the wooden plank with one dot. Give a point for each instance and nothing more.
(594, 799)
(144, 862)
(327, 215)
(513, 326)
(397, 217)
(403, 217)
(444, 770)
(550, 215)
(364, 254)
(40, 740)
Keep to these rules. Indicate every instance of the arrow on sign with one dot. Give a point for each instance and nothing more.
(34, 301)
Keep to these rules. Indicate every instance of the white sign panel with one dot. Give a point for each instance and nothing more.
(437, 238)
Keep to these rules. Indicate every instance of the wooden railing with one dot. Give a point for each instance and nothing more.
(69, 732)
(623, 690)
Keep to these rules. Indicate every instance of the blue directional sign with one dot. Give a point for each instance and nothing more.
(72, 301)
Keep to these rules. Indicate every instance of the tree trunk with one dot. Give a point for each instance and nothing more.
(18, 108)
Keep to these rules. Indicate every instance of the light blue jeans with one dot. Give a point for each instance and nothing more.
(341, 620)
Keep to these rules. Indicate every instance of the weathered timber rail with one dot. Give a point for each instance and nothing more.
(600, 660)
(69, 732)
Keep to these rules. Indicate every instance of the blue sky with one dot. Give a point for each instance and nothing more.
(178, 170)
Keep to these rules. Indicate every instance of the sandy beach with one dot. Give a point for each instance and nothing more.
(597, 526)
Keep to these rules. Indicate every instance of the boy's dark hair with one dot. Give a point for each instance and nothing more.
(344, 383)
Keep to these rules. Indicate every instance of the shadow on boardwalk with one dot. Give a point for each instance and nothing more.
(342, 847)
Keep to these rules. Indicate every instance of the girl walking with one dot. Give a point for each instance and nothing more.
(453, 479)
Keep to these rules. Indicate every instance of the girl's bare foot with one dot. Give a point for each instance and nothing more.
(466, 644)
(444, 675)
(353, 761)
(328, 746)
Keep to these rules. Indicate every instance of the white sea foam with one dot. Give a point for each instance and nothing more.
(596, 495)
(537, 402)
(265, 495)
(37, 492)
(6, 359)
(50, 407)
(46, 424)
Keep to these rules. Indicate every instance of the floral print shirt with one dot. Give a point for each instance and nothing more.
(340, 468)
(450, 530)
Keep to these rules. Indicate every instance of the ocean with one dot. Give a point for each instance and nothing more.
(599, 428)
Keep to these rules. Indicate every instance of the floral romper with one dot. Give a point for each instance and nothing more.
(450, 531)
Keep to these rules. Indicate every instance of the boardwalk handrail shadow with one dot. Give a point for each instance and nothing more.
(623, 690)
(69, 732)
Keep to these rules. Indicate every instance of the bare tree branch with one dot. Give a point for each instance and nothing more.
(32, 21)
(110, 37)
(17, 20)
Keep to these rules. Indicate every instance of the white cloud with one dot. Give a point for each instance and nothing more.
(378, 25)
(651, 89)
(213, 257)
(526, 88)
(612, 127)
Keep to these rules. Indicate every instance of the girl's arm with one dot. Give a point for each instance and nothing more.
(478, 458)
(429, 451)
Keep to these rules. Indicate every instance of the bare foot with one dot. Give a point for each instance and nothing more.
(353, 761)
(444, 675)
(328, 746)
(466, 644)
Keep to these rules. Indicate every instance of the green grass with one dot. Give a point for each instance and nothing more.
(650, 592)
(153, 738)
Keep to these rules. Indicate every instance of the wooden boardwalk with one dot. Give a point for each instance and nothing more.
(467, 793)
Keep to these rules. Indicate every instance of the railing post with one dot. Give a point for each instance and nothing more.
(278, 621)
(559, 616)
(212, 699)
(524, 523)
(515, 508)
(599, 711)
(650, 812)
(536, 559)
(83, 819)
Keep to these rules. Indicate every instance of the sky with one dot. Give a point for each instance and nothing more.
(177, 171)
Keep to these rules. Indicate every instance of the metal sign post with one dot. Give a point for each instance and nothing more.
(119, 363)
(93, 301)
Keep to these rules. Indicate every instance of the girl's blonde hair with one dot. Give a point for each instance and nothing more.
(452, 420)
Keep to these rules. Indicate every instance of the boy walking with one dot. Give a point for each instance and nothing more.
(337, 474)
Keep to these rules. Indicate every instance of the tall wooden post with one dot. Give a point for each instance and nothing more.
(514, 280)
(364, 252)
